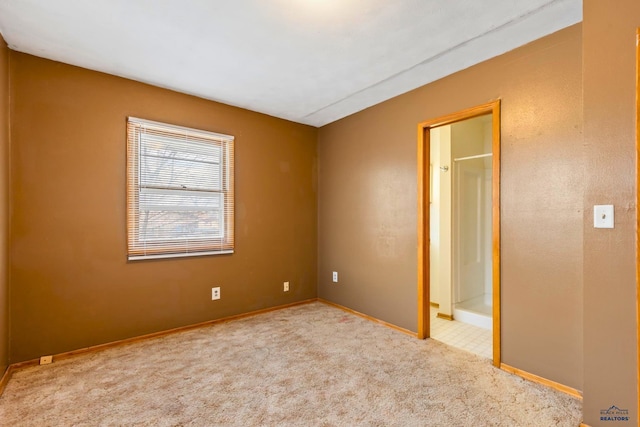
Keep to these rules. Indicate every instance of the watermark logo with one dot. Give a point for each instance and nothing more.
(614, 414)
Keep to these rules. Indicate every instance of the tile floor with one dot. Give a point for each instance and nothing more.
(462, 335)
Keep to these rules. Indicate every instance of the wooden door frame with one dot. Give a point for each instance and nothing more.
(493, 108)
(637, 204)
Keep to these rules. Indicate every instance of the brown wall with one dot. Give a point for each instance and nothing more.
(609, 255)
(4, 205)
(71, 284)
(367, 201)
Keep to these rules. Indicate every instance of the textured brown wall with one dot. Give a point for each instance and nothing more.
(609, 255)
(367, 201)
(71, 284)
(4, 205)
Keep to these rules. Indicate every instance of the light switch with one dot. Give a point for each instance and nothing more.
(603, 216)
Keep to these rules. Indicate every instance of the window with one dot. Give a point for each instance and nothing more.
(179, 191)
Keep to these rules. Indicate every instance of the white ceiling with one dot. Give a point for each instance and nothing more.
(309, 61)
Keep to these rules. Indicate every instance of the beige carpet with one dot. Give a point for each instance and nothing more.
(310, 365)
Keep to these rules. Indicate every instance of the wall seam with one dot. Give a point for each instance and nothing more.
(9, 172)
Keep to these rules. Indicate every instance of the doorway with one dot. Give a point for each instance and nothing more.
(464, 182)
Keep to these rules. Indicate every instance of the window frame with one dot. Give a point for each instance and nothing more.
(172, 247)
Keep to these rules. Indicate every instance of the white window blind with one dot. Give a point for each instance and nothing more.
(180, 199)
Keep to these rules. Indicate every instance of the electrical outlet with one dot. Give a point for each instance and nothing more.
(286, 286)
(215, 293)
(45, 360)
(335, 277)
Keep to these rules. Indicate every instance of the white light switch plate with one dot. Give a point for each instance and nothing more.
(603, 216)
